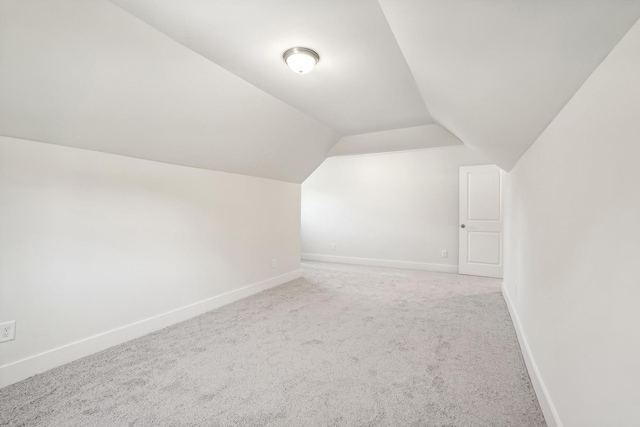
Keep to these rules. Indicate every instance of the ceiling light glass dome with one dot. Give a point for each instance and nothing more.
(301, 60)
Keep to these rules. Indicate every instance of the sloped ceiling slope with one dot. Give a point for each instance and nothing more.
(85, 73)
(414, 138)
(496, 72)
(361, 84)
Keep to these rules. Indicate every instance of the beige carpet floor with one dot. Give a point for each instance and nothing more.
(342, 346)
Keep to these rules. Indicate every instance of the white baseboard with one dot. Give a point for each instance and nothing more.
(546, 404)
(24, 368)
(443, 268)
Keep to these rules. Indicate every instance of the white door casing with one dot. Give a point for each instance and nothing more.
(481, 218)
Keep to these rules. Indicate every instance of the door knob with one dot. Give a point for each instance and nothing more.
(462, 226)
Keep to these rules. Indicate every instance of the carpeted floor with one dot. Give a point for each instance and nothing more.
(342, 346)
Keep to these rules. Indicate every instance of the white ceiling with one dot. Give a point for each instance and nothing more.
(496, 72)
(361, 84)
(413, 138)
(202, 82)
(86, 74)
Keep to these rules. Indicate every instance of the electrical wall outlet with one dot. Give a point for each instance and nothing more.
(7, 331)
(445, 253)
(333, 246)
(274, 263)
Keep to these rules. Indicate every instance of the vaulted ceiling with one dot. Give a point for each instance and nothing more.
(495, 73)
(202, 82)
(362, 84)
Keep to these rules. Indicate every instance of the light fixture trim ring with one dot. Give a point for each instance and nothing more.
(303, 50)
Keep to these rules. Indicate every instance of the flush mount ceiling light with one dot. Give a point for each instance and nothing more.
(301, 60)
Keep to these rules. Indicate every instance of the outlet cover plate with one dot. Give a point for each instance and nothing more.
(7, 331)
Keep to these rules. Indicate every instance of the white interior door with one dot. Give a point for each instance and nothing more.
(481, 221)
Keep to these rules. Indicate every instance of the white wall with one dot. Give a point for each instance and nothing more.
(395, 209)
(90, 242)
(573, 245)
